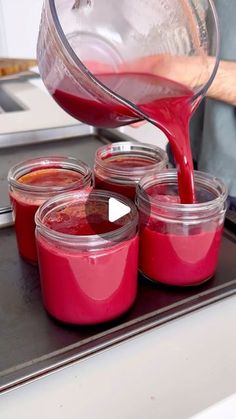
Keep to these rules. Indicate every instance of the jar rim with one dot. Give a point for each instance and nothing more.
(44, 162)
(203, 179)
(93, 240)
(124, 148)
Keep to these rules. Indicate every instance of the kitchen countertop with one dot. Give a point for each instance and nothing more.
(174, 371)
(40, 111)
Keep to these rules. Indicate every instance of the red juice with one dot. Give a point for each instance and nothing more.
(50, 177)
(167, 105)
(127, 190)
(125, 187)
(128, 162)
(25, 204)
(119, 166)
(24, 211)
(177, 259)
(84, 285)
(179, 244)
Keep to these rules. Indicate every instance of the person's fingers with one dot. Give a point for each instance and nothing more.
(145, 64)
(97, 68)
(138, 124)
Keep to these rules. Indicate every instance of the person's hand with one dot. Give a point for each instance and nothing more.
(191, 71)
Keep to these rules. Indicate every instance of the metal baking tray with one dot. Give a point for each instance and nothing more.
(32, 343)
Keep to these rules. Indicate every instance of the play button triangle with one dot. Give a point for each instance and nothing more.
(116, 210)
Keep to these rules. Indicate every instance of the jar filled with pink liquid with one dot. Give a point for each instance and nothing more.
(119, 167)
(88, 263)
(31, 183)
(179, 243)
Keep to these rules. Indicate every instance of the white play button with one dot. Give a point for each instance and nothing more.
(116, 210)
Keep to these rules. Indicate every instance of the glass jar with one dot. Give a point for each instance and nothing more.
(88, 264)
(119, 167)
(31, 183)
(179, 243)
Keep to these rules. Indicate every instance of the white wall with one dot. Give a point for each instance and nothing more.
(3, 43)
(146, 133)
(19, 23)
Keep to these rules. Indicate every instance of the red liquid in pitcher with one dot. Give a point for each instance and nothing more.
(166, 103)
(26, 204)
(86, 287)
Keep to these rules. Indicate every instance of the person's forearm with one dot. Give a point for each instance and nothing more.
(192, 72)
(223, 87)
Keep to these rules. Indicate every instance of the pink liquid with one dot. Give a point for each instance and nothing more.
(128, 190)
(167, 104)
(126, 162)
(25, 205)
(177, 259)
(124, 186)
(177, 254)
(51, 177)
(84, 287)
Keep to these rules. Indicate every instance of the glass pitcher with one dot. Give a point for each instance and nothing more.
(104, 61)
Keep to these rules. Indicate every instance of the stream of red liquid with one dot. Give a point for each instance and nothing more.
(167, 104)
